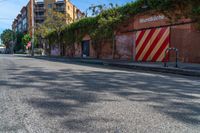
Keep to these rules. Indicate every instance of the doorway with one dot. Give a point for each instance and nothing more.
(85, 49)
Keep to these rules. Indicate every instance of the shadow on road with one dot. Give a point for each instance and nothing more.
(69, 91)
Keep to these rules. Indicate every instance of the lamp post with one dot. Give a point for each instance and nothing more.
(32, 21)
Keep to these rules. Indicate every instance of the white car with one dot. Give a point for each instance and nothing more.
(2, 50)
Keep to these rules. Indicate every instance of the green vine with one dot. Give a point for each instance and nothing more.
(103, 25)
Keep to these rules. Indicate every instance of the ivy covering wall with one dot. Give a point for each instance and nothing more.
(103, 25)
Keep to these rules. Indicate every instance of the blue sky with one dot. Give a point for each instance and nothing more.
(10, 8)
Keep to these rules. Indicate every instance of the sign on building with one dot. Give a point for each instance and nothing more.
(152, 19)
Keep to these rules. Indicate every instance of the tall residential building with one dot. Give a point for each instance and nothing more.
(20, 24)
(23, 21)
(64, 6)
(14, 25)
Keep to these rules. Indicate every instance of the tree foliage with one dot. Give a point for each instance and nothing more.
(18, 44)
(53, 25)
(105, 21)
(25, 39)
(7, 37)
(176, 9)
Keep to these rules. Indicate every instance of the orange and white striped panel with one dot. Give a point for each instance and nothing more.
(152, 44)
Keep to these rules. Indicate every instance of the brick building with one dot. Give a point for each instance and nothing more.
(23, 21)
(145, 38)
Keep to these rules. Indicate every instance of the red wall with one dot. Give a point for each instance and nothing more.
(125, 44)
(184, 37)
(187, 41)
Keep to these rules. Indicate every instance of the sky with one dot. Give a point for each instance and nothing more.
(9, 9)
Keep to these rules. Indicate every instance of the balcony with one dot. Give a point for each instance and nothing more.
(58, 2)
(39, 9)
(60, 9)
(25, 27)
(39, 17)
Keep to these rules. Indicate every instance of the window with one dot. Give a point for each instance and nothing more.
(39, 13)
(49, 5)
(24, 21)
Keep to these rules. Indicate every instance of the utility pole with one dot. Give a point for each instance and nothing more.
(33, 26)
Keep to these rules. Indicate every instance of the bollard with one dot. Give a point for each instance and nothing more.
(168, 50)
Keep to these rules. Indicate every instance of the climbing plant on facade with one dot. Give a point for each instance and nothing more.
(106, 22)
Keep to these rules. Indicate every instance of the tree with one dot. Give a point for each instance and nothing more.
(105, 22)
(8, 37)
(41, 33)
(55, 22)
(98, 9)
(176, 9)
(18, 44)
(108, 20)
(26, 39)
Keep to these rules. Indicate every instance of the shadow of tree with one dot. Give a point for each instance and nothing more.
(70, 90)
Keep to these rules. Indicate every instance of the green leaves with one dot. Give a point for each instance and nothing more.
(7, 37)
(25, 39)
(107, 20)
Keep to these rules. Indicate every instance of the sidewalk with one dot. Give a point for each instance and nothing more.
(186, 69)
(183, 68)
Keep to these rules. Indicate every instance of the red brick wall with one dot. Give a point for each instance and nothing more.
(183, 37)
(125, 46)
(106, 50)
(78, 50)
(188, 43)
(138, 25)
(92, 51)
(156, 23)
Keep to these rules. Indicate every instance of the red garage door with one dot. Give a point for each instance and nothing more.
(151, 44)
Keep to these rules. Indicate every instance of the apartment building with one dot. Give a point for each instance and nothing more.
(20, 24)
(39, 12)
(64, 6)
(24, 18)
(14, 25)
(23, 21)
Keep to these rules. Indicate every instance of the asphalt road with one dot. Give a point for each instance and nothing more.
(46, 96)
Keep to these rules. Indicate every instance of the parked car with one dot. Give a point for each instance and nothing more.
(2, 50)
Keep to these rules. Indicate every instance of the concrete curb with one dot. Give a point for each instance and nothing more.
(178, 71)
(159, 69)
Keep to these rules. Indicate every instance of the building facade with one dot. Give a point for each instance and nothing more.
(20, 24)
(14, 25)
(39, 12)
(146, 37)
(23, 21)
(64, 6)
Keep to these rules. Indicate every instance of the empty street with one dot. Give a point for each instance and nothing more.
(44, 95)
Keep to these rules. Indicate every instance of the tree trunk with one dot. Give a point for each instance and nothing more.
(64, 49)
(49, 49)
(60, 45)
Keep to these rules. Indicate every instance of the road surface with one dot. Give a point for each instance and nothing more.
(47, 96)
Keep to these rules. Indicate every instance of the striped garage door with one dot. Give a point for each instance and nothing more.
(151, 44)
